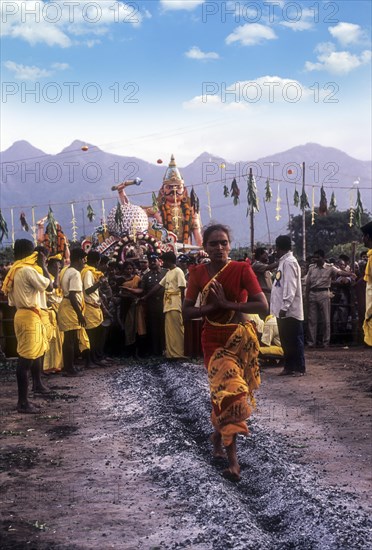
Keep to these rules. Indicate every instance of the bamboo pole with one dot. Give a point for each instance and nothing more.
(251, 217)
(303, 217)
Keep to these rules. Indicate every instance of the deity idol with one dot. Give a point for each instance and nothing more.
(176, 212)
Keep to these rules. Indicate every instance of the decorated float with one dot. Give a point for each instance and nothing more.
(171, 223)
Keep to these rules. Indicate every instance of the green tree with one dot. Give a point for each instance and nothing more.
(327, 231)
(6, 254)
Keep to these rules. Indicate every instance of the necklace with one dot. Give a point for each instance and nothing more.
(213, 270)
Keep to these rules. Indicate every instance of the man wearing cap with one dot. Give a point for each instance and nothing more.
(154, 305)
(318, 297)
(367, 325)
(174, 284)
(183, 262)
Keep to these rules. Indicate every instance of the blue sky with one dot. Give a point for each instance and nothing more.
(239, 79)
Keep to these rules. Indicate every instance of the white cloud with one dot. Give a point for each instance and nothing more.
(252, 94)
(27, 72)
(196, 53)
(60, 66)
(57, 23)
(348, 33)
(213, 103)
(146, 14)
(336, 62)
(251, 34)
(92, 42)
(181, 4)
(298, 25)
(304, 23)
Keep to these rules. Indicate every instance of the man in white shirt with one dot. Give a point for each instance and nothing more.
(70, 317)
(286, 305)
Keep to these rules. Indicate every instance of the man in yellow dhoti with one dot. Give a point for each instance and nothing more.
(367, 325)
(70, 314)
(24, 283)
(174, 283)
(37, 386)
(92, 280)
(53, 359)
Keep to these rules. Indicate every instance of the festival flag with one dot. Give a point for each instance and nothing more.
(268, 192)
(252, 197)
(296, 198)
(24, 224)
(194, 201)
(332, 202)
(323, 208)
(235, 192)
(51, 228)
(304, 201)
(358, 210)
(3, 227)
(90, 213)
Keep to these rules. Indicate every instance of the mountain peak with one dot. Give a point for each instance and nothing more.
(21, 150)
(77, 145)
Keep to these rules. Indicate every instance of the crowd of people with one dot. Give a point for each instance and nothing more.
(95, 308)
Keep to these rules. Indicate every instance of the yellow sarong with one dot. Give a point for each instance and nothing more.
(234, 374)
(367, 329)
(174, 334)
(367, 325)
(93, 315)
(53, 359)
(30, 332)
(67, 320)
(49, 329)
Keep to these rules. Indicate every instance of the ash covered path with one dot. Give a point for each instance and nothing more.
(122, 461)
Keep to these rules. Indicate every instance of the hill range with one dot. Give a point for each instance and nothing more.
(32, 178)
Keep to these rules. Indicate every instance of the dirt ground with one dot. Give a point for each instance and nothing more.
(119, 459)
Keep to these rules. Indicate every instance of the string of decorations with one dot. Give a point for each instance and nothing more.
(278, 204)
(74, 224)
(33, 226)
(103, 222)
(12, 225)
(313, 206)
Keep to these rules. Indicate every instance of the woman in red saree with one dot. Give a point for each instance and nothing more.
(229, 290)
